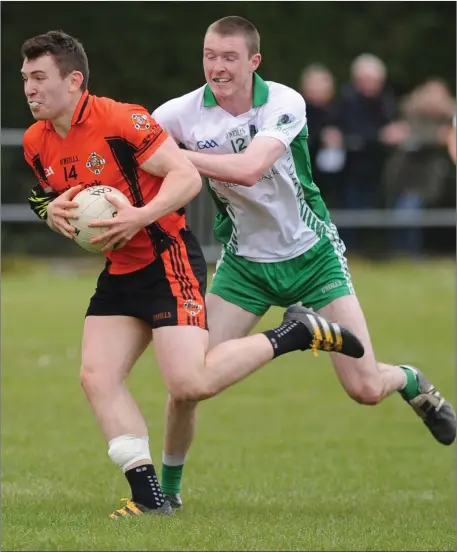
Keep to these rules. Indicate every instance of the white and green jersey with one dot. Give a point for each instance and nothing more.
(283, 214)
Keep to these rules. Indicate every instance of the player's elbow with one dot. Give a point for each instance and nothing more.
(249, 181)
(194, 186)
(193, 181)
(249, 177)
(196, 183)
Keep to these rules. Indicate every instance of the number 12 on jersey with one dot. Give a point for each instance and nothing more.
(238, 145)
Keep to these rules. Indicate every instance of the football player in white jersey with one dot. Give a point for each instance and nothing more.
(248, 139)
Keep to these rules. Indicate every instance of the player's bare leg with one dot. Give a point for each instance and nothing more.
(207, 373)
(111, 346)
(226, 321)
(369, 382)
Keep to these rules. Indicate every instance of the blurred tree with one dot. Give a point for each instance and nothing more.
(148, 52)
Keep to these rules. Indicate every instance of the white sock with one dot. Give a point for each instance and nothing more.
(173, 459)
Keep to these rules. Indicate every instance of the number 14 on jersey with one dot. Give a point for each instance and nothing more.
(70, 173)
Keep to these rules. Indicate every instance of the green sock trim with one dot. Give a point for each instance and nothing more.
(411, 389)
(171, 479)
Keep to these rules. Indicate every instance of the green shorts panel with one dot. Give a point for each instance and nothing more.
(315, 278)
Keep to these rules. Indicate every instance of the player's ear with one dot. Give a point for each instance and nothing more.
(255, 60)
(76, 80)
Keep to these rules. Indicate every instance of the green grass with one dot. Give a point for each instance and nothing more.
(282, 461)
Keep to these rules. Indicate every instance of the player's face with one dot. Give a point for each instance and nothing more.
(227, 64)
(47, 93)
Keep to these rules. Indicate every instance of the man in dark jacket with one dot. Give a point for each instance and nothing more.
(364, 113)
(327, 160)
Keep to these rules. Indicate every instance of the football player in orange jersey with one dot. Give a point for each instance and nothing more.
(154, 285)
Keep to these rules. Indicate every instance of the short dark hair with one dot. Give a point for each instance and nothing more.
(68, 53)
(234, 25)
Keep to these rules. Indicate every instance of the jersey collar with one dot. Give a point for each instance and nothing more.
(260, 93)
(82, 109)
(81, 112)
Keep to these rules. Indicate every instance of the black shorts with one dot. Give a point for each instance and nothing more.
(168, 292)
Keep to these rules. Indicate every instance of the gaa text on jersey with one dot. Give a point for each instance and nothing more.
(206, 144)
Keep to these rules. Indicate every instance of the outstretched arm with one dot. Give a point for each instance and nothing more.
(181, 181)
(242, 168)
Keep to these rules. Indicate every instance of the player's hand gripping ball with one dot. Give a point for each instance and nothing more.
(93, 206)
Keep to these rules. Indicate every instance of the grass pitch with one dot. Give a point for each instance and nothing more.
(282, 461)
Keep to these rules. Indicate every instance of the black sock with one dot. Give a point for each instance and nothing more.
(290, 336)
(145, 486)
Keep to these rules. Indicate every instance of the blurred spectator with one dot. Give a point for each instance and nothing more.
(363, 120)
(318, 89)
(416, 173)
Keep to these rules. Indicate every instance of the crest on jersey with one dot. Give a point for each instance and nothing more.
(285, 119)
(192, 308)
(95, 163)
(141, 121)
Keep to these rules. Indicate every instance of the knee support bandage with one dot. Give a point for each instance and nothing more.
(125, 450)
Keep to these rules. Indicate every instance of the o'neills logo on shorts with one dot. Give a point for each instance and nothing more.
(162, 316)
(192, 308)
(333, 285)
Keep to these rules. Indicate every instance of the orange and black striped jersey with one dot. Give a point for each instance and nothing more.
(106, 144)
